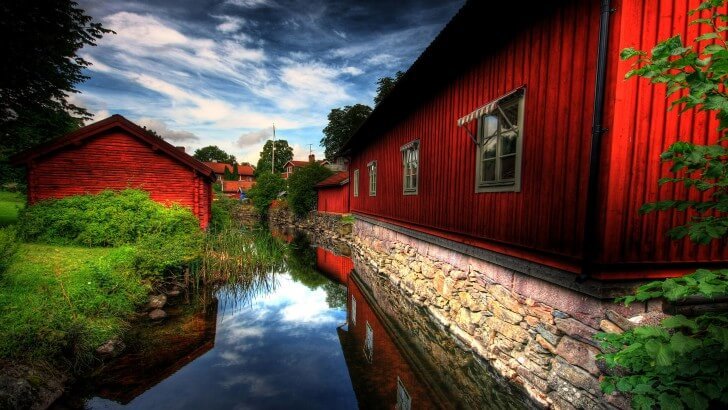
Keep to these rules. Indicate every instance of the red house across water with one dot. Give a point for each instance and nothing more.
(333, 194)
(117, 154)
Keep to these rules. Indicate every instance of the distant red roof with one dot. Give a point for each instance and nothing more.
(245, 170)
(339, 178)
(219, 168)
(115, 121)
(232, 186)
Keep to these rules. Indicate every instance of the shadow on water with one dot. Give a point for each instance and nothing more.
(306, 333)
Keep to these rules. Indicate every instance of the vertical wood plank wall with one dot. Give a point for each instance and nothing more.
(118, 161)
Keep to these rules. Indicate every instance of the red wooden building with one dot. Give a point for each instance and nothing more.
(515, 133)
(246, 172)
(233, 189)
(117, 154)
(333, 194)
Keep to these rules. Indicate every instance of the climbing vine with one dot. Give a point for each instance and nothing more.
(683, 361)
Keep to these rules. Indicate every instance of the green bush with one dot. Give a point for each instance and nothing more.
(8, 247)
(223, 210)
(267, 188)
(106, 219)
(302, 196)
(159, 255)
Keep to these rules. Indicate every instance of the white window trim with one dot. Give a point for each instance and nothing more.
(413, 145)
(353, 311)
(369, 342)
(514, 186)
(372, 187)
(356, 183)
(404, 400)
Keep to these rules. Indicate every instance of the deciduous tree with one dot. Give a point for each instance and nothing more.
(343, 122)
(284, 153)
(213, 153)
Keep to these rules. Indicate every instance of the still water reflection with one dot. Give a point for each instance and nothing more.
(306, 337)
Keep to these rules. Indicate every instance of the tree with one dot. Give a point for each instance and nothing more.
(213, 153)
(284, 153)
(302, 196)
(267, 188)
(41, 41)
(385, 86)
(683, 361)
(343, 122)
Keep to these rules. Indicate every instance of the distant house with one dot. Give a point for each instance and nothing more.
(245, 171)
(292, 166)
(116, 154)
(233, 189)
(333, 194)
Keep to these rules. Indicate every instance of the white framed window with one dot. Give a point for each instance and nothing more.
(372, 167)
(404, 401)
(356, 182)
(500, 137)
(369, 343)
(353, 311)
(410, 167)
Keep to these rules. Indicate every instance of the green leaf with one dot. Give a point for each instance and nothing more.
(693, 399)
(660, 352)
(670, 402)
(678, 321)
(707, 36)
(682, 344)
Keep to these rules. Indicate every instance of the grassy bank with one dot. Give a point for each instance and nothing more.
(64, 301)
(10, 204)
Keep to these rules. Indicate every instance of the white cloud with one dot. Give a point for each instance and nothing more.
(249, 3)
(255, 137)
(161, 128)
(229, 24)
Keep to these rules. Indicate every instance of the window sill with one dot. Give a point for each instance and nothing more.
(409, 193)
(507, 187)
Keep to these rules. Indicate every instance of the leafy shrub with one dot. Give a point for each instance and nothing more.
(223, 210)
(8, 247)
(105, 219)
(302, 196)
(267, 188)
(683, 362)
(160, 255)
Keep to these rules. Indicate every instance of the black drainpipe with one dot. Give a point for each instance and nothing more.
(590, 241)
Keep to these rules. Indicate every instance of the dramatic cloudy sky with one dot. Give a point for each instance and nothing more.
(204, 72)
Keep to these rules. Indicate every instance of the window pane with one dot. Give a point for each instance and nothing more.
(508, 167)
(489, 170)
(508, 142)
(510, 111)
(414, 181)
(489, 147)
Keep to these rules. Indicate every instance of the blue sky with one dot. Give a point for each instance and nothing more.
(204, 72)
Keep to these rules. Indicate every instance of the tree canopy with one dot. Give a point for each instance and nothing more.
(385, 86)
(213, 153)
(41, 41)
(284, 153)
(343, 122)
(266, 189)
(302, 196)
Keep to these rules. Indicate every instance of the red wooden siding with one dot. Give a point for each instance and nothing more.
(334, 199)
(375, 381)
(641, 128)
(547, 215)
(335, 266)
(116, 160)
(555, 60)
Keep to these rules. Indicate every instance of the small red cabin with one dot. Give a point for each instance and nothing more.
(333, 194)
(117, 154)
(492, 140)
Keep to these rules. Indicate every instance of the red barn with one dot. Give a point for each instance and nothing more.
(516, 134)
(333, 194)
(117, 154)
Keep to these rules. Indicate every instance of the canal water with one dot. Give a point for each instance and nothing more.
(310, 336)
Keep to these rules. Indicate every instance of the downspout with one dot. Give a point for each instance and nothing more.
(589, 250)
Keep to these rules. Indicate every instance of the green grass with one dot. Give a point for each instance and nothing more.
(63, 301)
(10, 204)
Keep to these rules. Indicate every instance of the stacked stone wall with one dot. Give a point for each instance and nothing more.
(534, 333)
(329, 225)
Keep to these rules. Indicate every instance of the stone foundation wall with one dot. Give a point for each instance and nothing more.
(532, 332)
(331, 226)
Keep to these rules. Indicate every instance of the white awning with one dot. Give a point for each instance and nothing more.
(487, 108)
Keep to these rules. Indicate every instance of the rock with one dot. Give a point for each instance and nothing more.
(542, 312)
(559, 314)
(579, 354)
(545, 344)
(574, 375)
(577, 330)
(173, 292)
(25, 387)
(112, 347)
(157, 302)
(619, 320)
(610, 327)
(547, 334)
(157, 314)
(458, 275)
(505, 298)
(513, 332)
(504, 314)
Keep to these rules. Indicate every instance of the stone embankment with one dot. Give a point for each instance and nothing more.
(534, 333)
(334, 227)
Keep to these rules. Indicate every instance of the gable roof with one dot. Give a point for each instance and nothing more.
(115, 121)
(219, 168)
(338, 179)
